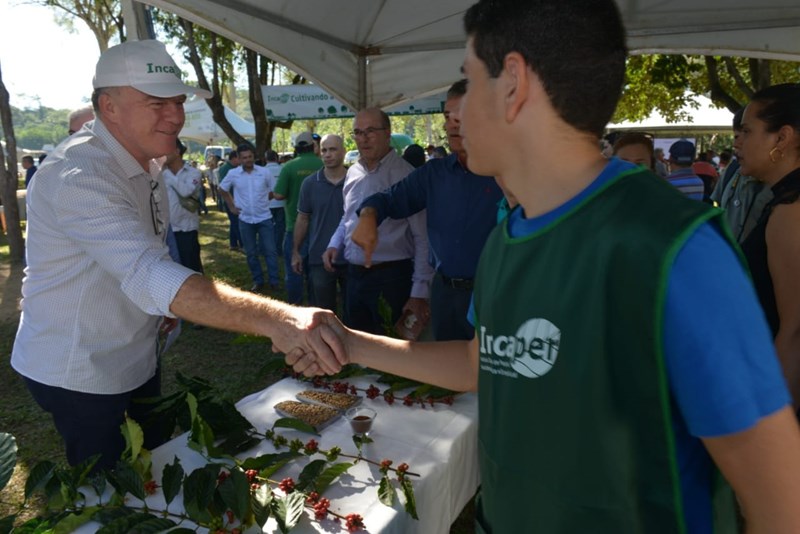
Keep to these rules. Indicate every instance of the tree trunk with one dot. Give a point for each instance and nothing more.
(259, 112)
(215, 102)
(8, 180)
(718, 93)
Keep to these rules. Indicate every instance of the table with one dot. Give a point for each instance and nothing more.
(439, 443)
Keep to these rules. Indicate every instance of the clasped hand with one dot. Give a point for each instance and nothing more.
(313, 341)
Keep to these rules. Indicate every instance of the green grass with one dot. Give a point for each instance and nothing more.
(225, 359)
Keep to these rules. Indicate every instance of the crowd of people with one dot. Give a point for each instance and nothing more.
(622, 357)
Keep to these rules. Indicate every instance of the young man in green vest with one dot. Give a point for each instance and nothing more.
(620, 358)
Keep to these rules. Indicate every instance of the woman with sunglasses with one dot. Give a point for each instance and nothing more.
(769, 150)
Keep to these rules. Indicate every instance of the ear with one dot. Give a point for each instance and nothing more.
(516, 76)
(787, 137)
(108, 107)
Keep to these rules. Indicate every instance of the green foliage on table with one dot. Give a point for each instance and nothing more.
(225, 494)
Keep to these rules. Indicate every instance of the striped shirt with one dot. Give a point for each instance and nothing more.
(687, 182)
(99, 275)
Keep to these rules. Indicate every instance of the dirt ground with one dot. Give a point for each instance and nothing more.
(10, 284)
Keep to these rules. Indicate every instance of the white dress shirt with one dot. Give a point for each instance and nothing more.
(275, 170)
(250, 192)
(398, 239)
(99, 275)
(185, 183)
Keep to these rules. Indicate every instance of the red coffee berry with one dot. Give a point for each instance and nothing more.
(287, 485)
(251, 474)
(150, 487)
(373, 392)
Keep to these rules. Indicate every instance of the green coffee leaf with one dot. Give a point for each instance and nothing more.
(72, 521)
(288, 510)
(198, 491)
(171, 480)
(411, 502)
(134, 439)
(7, 524)
(8, 457)
(129, 480)
(261, 502)
(386, 491)
(235, 492)
(296, 424)
(38, 477)
(329, 475)
(309, 474)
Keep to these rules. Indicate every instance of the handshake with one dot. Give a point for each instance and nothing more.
(313, 340)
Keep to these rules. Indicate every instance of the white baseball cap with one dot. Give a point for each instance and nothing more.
(145, 66)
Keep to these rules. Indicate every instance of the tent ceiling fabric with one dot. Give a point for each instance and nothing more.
(381, 52)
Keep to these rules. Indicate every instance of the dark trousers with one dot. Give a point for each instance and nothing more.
(449, 308)
(189, 250)
(279, 218)
(234, 237)
(327, 285)
(294, 281)
(392, 280)
(90, 423)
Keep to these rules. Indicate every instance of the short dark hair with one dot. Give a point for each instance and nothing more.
(232, 154)
(457, 90)
(271, 155)
(245, 147)
(29, 159)
(304, 149)
(180, 146)
(576, 48)
(780, 106)
(636, 138)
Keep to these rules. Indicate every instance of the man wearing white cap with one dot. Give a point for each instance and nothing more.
(99, 279)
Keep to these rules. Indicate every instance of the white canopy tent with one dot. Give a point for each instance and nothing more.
(200, 125)
(383, 52)
(703, 119)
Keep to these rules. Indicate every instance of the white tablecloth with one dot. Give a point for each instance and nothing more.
(439, 443)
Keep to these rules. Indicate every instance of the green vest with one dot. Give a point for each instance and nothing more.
(575, 414)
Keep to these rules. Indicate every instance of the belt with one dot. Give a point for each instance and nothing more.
(377, 266)
(457, 283)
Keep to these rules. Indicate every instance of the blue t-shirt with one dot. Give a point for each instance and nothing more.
(721, 363)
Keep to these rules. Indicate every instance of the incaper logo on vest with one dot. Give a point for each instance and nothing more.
(530, 353)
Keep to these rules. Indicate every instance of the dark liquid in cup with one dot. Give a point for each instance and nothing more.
(361, 423)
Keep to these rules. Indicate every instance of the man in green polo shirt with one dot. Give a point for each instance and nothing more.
(290, 180)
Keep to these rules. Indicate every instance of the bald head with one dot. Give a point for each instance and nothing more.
(331, 150)
(79, 117)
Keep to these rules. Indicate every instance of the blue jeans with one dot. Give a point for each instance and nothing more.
(294, 281)
(279, 218)
(234, 236)
(325, 286)
(258, 241)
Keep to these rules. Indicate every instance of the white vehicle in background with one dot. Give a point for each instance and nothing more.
(351, 157)
(216, 150)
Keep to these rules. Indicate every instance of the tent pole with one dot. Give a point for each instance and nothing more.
(361, 101)
(138, 22)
